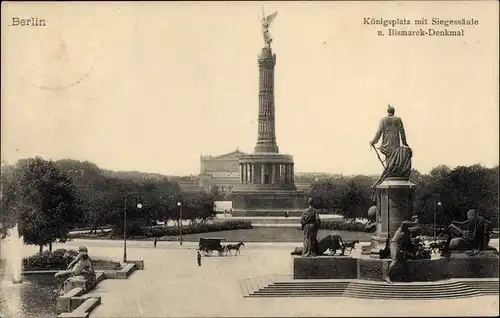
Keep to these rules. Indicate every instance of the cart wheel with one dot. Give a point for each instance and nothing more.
(221, 252)
(207, 253)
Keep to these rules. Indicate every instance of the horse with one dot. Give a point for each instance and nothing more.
(235, 247)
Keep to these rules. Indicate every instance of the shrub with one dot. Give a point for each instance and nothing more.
(46, 261)
(198, 228)
(58, 260)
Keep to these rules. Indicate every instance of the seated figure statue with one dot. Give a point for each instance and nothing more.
(475, 237)
(80, 266)
(333, 243)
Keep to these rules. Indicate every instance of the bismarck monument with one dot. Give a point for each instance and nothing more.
(267, 185)
(398, 251)
(393, 192)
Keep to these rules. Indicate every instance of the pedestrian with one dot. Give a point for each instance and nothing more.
(155, 241)
(198, 258)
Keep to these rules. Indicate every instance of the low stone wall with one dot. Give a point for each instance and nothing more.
(266, 212)
(74, 303)
(459, 265)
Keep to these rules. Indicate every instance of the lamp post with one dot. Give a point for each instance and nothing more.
(139, 206)
(438, 204)
(179, 204)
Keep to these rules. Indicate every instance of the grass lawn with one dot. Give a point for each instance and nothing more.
(281, 234)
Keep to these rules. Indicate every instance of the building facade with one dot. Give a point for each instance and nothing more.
(221, 171)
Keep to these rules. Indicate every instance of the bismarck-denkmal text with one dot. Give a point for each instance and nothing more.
(426, 32)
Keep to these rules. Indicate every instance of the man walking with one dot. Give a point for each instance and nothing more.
(198, 258)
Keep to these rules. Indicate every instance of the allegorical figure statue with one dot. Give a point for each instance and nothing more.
(266, 23)
(475, 236)
(310, 222)
(397, 161)
(400, 245)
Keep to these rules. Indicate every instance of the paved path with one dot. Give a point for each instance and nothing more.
(172, 285)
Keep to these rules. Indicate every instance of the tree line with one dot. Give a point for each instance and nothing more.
(444, 192)
(49, 198)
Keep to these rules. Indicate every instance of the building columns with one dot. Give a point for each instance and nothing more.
(252, 173)
(249, 173)
(262, 173)
(245, 171)
(273, 173)
(241, 173)
(282, 172)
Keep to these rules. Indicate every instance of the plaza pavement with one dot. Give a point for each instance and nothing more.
(172, 285)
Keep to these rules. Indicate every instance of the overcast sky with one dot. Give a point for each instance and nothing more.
(168, 81)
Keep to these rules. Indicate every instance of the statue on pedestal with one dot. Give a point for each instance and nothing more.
(474, 238)
(310, 222)
(266, 23)
(397, 161)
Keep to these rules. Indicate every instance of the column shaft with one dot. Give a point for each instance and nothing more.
(273, 173)
(241, 173)
(251, 173)
(262, 173)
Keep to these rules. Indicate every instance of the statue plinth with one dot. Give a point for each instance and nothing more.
(395, 203)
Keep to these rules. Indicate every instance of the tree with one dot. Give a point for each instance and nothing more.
(44, 201)
(466, 188)
(198, 205)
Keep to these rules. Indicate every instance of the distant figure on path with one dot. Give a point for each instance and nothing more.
(310, 222)
(155, 241)
(398, 245)
(198, 258)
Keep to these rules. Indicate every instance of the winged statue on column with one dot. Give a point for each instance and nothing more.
(266, 23)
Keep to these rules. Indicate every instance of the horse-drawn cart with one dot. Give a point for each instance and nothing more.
(209, 245)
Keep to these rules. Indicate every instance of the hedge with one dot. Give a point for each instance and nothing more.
(59, 260)
(344, 225)
(174, 230)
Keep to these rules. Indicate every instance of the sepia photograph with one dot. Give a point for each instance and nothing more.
(249, 159)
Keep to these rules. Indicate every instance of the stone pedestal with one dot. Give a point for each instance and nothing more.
(395, 205)
(457, 265)
(86, 283)
(325, 267)
(267, 187)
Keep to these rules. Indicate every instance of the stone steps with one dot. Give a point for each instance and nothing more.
(376, 290)
(485, 287)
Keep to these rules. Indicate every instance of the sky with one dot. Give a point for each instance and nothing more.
(152, 86)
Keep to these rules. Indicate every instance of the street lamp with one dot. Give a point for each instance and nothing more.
(438, 204)
(139, 206)
(179, 204)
